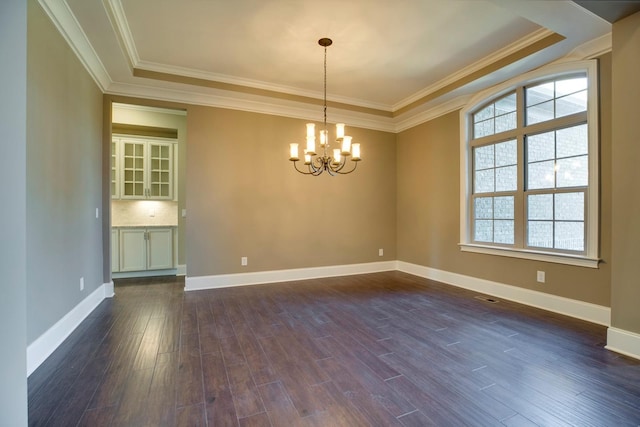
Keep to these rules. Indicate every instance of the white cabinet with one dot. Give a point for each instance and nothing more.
(146, 249)
(115, 250)
(133, 249)
(159, 249)
(142, 168)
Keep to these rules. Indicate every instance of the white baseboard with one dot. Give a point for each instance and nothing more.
(144, 273)
(109, 290)
(618, 340)
(623, 342)
(578, 309)
(241, 279)
(45, 344)
(581, 310)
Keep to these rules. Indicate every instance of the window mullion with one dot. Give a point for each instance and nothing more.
(519, 207)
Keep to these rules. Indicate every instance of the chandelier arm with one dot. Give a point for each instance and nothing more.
(301, 171)
(339, 171)
(337, 168)
(317, 164)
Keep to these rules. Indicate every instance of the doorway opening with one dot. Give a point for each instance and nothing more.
(148, 203)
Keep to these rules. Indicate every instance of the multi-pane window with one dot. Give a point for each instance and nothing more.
(530, 169)
(494, 181)
(556, 161)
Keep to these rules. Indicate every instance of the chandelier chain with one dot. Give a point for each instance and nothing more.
(325, 91)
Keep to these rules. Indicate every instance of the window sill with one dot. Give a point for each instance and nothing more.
(580, 261)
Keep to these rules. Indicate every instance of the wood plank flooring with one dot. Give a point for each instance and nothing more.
(384, 349)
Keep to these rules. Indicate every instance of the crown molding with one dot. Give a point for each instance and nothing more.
(147, 109)
(256, 105)
(116, 14)
(498, 55)
(432, 113)
(592, 48)
(66, 23)
(68, 26)
(123, 31)
(171, 70)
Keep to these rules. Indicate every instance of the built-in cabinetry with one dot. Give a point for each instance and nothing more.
(142, 248)
(115, 250)
(142, 168)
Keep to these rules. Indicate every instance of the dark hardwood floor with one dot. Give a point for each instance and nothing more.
(385, 349)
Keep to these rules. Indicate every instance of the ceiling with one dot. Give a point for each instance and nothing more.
(391, 62)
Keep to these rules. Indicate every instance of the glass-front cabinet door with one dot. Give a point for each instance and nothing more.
(133, 171)
(142, 169)
(160, 171)
(115, 160)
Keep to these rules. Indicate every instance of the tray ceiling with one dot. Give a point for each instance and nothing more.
(389, 59)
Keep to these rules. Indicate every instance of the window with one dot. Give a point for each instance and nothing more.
(529, 164)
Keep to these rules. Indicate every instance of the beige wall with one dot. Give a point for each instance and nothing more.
(245, 199)
(64, 177)
(428, 228)
(625, 300)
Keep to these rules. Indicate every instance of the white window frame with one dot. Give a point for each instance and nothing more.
(590, 258)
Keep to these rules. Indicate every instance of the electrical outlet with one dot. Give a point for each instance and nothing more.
(380, 252)
(243, 261)
(82, 284)
(540, 276)
(97, 213)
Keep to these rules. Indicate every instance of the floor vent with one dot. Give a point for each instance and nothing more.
(487, 299)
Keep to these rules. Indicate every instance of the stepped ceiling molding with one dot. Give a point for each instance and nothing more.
(392, 65)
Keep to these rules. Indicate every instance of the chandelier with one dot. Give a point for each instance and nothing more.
(318, 162)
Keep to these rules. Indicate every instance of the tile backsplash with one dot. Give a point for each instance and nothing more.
(143, 212)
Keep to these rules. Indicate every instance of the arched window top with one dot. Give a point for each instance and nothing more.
(496, 117)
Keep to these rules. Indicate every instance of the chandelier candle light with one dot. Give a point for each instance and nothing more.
(319, 162)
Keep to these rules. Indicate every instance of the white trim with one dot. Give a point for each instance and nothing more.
(67, 24)
(255, 84)
(109, 289)
(514, 47)
(144, 273)
(623, 342)
(260, 277)
(48, 342)
(146, 109)
(264, 105)
(578, 261)
(121, 26)
(70, 29)
(590, 67)
(593, 48)
(578, 309)
(432, 113)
